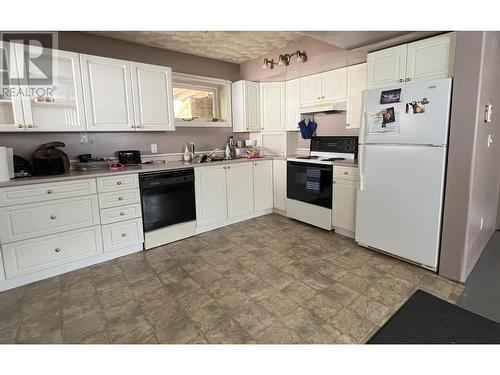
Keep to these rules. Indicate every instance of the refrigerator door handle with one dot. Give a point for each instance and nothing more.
(361, 166)
(362, 125)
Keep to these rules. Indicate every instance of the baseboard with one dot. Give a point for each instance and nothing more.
(235, 220)
(63, 268)
(344, 232)
(279, 211)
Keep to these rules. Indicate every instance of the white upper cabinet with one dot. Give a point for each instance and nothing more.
(11, 111)
(310, 89)
(329, 86)
(108, 94)
(422, 60)
(239, 189)
(356, 83)
(292, 97)
(263, 184)
(152, 93)
(272, 104)
(334, 85)
(387, 67)
(246, 103)
(429, 59)
(63, 110)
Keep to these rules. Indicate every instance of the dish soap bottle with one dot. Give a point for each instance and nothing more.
(187, 154)
(227, 153)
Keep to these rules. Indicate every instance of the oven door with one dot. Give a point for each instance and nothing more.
(310, 183)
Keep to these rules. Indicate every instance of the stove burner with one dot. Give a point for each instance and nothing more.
(333, 159)
(307, 157)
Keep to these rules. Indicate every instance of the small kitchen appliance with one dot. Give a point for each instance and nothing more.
(129, 157)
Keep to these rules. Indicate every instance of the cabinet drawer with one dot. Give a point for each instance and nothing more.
(44, 252)
(115, 183)
(122, 234)
(345, 173)
(43, 192)
(119, 198)
(115, 214)
(39, 219)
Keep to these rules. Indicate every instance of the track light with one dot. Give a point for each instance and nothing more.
(284, 60)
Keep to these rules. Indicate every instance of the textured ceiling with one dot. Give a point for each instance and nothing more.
(232, 46)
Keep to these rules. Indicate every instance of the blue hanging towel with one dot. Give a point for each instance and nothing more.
(307, 130)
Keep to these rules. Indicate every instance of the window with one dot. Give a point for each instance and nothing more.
(201, 101)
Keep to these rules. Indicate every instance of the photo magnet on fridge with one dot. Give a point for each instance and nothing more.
(388, 115)
(390, 96)
(417, 107)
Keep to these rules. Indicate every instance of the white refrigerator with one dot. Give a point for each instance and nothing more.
(402, 160)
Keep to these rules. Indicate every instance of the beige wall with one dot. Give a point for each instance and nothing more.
(107, 143)
(473, 173)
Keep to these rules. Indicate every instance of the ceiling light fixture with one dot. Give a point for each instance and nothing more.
(284, 59)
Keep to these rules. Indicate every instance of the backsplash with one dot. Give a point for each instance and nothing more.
(328, 124)
(105, 144)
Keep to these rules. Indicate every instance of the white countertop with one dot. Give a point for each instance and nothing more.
(154, 167)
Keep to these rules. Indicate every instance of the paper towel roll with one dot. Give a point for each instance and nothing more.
(4, 164)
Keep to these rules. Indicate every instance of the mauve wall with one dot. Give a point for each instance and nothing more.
(106, 143)
(473, 176)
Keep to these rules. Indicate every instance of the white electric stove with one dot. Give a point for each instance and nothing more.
(310, 179)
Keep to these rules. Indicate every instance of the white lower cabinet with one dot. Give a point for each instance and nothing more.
(211, 195)
(39, 219)
(122, 234)
(263, 184)
(279, 179)
(344, 200)
(228, 193)
(37, 254)
(240, 192)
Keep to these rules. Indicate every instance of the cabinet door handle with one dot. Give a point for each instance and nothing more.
(224, 167)
(228, 167)
(120, 198)
(401, 80)
(20, 126)
(30, 126)
(50, 191)
(122, 213)
(53, 217)
(138, 126)
(346, 172)
(119, 183)
(57, 249)
(124, 234)
(132, 126)
(408, 79)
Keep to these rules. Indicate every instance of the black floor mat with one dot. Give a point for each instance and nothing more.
(425, 319)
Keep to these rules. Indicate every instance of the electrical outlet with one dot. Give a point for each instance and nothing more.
(154, 148)
(481, 224)
(84, 137)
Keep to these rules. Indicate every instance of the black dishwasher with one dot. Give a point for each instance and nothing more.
(167, 198)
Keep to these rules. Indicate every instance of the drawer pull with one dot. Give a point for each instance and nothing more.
(119, 183)
(122, 213)
(124, 234)
(120, 198)
(50, 191)
(345, 172)
(53, 217)
(57, 250)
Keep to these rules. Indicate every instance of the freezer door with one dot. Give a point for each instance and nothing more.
(421, 117)
(399, 204)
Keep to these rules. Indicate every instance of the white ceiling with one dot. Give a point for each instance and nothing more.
(232, 46)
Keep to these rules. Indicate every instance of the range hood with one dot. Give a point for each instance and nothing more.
(324, 106)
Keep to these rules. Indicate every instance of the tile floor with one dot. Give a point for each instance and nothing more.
(266, 280)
